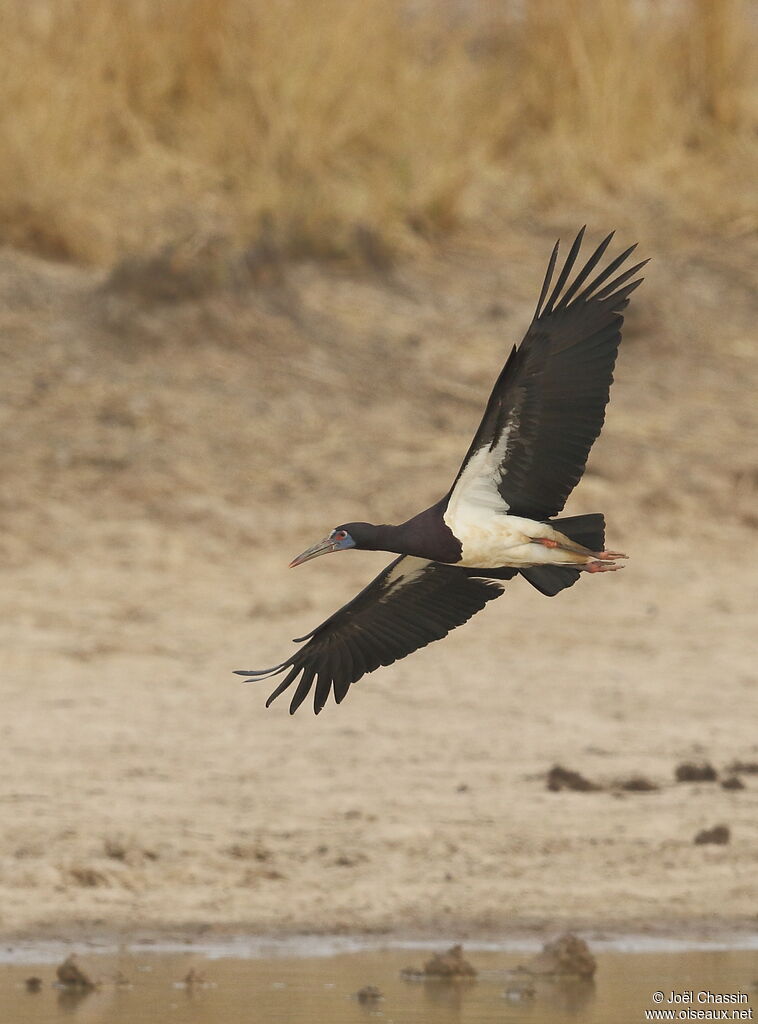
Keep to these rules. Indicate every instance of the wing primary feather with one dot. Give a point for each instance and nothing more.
(381, 647)
(609, 289)
(328, 671)
(621, 298)
(284, 683)
(548, 279)
(370, 647)
(605, 274)
(564, 274)
(341, 688)
(341, 683)
(261, 673)
(347, 675)
(303, 689)
(585, 272)
(356, 657)
(323, 686)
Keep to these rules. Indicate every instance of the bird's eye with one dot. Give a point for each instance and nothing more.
(340, 535)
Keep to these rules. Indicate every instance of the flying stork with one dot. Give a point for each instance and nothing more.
(499, 517)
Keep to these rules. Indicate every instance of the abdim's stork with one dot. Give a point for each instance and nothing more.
(498, 518)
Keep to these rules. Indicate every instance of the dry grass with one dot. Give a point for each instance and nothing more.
(312, 126)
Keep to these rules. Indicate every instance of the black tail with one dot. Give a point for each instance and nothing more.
(589, 531)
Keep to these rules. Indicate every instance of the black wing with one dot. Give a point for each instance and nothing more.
(410, 603)
(548, 404)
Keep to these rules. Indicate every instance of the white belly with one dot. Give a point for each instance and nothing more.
(504, 540)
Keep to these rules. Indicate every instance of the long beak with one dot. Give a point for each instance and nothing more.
(322, 548)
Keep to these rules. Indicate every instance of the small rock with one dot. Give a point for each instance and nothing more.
(719, 834)
(637, 784)
(559, 778)
(743, 767)
(695, 771)
(566, 956)
(368, 994)
(33, 984)
(733, 782)
(71, 975)
(451, 965)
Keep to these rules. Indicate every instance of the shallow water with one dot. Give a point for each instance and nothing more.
(284, 989)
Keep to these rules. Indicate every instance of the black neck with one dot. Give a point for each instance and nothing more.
(425, 535)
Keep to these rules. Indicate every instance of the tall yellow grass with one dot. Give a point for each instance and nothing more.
(124, 126)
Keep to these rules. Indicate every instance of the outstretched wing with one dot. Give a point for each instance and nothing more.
(548, 404)
(410, 603)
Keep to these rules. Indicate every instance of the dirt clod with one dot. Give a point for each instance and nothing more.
(71, 975)
(743, 768)
(368, 994)
(451, 965)
(719, 834)
(637, 784)
(695, 771)
(559, 778)
(567, 956)
(732, 782)
(33, 984)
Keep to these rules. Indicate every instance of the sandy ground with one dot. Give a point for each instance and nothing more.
(163, 460)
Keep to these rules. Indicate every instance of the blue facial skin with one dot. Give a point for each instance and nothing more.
(338, 540)
(345, 541)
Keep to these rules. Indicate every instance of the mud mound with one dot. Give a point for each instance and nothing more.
(566, 956)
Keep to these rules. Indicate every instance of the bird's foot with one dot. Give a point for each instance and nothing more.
(608, 556)
(602, 566)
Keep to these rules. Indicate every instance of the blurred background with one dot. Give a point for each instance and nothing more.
(320, 129)
(260, 265)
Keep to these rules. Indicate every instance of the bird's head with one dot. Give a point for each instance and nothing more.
(351, 535)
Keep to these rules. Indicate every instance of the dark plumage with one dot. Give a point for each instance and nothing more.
(497, 520)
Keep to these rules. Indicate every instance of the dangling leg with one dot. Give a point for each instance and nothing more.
(581, 557)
